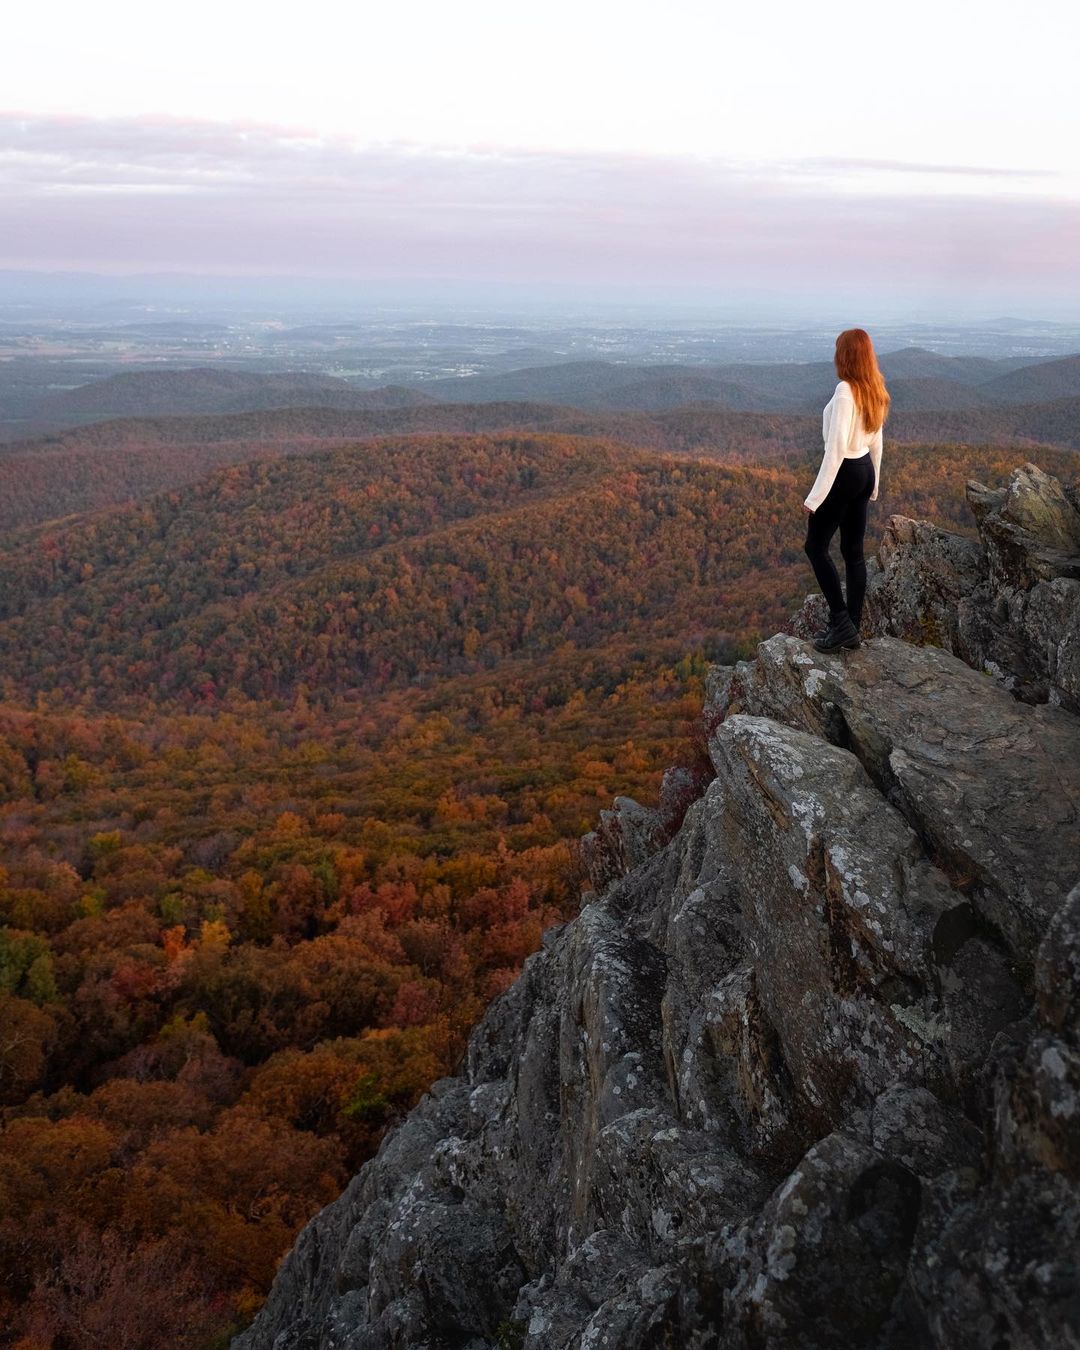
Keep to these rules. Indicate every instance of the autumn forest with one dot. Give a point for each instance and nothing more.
(295, 753)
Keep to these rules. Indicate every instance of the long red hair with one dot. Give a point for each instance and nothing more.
(856, 362)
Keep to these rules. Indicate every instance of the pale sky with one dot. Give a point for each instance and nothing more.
(683, 141)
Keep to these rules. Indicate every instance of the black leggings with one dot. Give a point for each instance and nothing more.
(845, 505)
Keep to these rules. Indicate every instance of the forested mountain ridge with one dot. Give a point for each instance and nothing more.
(803, 1071)
(381, 564)
(115, 461)
(345, 570)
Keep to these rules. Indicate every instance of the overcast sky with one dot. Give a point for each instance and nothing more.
(921, 150)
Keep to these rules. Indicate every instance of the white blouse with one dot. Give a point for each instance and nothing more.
(844, 437)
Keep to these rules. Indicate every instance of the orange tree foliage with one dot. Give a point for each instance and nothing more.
(105, 463)
(242, 943)
(376, 566)
(121, 460)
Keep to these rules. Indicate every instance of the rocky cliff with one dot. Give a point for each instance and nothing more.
(805, 1069)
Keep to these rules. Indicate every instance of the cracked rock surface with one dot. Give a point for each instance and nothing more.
(805, 1070)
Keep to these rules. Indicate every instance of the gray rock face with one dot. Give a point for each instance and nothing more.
(1005, 602)
(805, 1070)
(990, 784)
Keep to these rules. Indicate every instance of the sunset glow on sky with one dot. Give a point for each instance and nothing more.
(690, 144)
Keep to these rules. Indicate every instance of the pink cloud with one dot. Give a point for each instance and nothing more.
(167, 192)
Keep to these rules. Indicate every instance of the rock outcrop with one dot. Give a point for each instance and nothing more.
(1005, 602)
(805, 1069)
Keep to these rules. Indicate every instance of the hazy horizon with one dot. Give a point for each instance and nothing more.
(67, 292)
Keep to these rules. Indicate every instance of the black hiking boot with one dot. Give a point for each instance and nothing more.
(858, 628)
(841, 632)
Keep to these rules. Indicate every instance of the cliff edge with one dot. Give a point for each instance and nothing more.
(805, 1069)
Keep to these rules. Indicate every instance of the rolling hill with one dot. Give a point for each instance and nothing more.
(926, 377)
(205, 389)
(401, 561)
(376, 565)
(924, 380)
(127, 459)
(1049, 380)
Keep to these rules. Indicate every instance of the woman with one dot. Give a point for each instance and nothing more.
(848, 478)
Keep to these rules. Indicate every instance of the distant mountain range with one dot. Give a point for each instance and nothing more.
(206, 389)
(919, 381)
